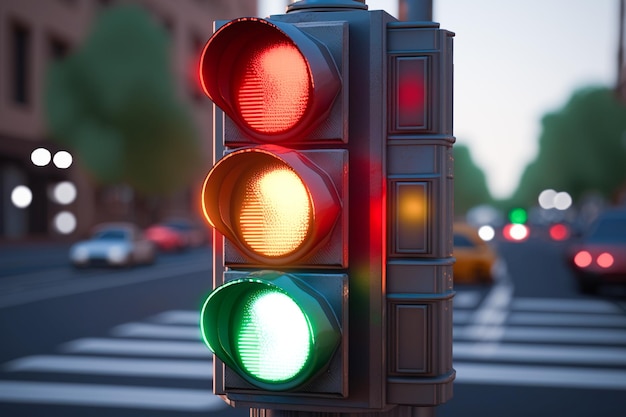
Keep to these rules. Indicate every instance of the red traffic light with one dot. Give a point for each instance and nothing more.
(559, 232)
(273, 203)
(274, 81)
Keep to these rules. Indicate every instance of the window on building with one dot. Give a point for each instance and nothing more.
(58, 48)
(197, 44)
(20, 61)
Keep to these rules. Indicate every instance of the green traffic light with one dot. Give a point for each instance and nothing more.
(273, 329)
(518, 216)
(273, 339)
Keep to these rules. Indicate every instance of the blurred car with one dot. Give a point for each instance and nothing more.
(166, 238)
(193, 233)
(475, 258)
(600, 255)
(113, 244)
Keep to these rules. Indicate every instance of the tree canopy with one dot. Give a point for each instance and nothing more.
(470, 186)
(582, 148)
(113, 103)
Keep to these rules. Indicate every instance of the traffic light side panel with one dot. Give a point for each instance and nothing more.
(419, 239)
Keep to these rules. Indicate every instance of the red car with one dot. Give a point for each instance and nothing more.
(166, 238)
(600, 257)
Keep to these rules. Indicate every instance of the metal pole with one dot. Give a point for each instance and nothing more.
(399, 411)
(417, 10)
(620, 50)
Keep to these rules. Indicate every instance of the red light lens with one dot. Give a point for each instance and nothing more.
(272, 86)
(583, 259)
(274, 81)
(605, 260)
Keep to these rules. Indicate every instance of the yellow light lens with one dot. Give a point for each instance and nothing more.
(275, 214)
(412, 207)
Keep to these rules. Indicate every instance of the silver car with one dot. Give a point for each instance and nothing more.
(113, 244)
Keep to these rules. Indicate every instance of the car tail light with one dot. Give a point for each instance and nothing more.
(515, 232)
(583, 259)
(605, 260)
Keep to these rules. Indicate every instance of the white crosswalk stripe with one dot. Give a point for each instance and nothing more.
(137, 347)
(150, 330)
(109, 396)
(539, 341)
(541, 376)
(498, 339)
(165, 348)
(113, 366)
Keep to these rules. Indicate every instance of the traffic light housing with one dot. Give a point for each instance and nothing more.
(272, 328)
(331, 197)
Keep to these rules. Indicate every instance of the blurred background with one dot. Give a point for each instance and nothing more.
(100, 105)
(105, 139)
(101, 114)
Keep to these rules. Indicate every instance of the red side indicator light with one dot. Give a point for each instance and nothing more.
(411, 96)
(411, 92)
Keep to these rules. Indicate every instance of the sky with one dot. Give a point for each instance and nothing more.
(514, 62)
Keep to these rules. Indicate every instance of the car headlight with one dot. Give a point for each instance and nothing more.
(116, 254)
(80, 254)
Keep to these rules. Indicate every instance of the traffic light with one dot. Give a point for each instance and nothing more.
(330, 203)
(277, 198)
(518, 215)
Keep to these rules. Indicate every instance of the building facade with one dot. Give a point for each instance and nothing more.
(34, 33)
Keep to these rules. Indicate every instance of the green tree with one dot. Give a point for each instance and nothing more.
(581, 148)
(113, 103)
(470, 186)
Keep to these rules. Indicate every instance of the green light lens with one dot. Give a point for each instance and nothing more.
(273, 329)
(273, 341)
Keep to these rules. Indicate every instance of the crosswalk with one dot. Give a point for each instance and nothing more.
(545, 342)
(160, 363)
(165, 348)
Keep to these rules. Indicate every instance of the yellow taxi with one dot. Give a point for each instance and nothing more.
(474, 257)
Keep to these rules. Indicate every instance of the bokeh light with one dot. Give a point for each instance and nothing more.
(62, 159)
(486, 233)
(21, 196)
(605, 260)
(64, 222)
(64, 192)
(549, 199)
(546, 199)
(40, 157)
(518, 216)
(562, 201)
(559, 232)
(515, 232)
(583, 259)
